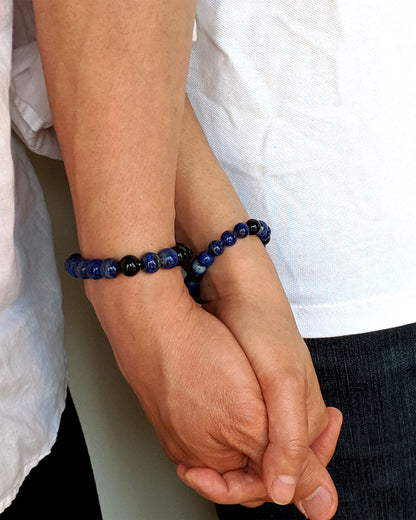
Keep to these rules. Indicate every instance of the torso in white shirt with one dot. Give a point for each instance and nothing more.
(310, 108)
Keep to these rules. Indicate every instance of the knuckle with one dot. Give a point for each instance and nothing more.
(295, 452)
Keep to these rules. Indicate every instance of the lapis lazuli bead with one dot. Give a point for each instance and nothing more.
(216, 248)
(241, 230)
(80, 269)
(198, 268)
(192, 286)
(93, 269)
(206, 258)
(71, 262)
(254, 226)
(228, 238)
(150, 262)
(110, 268)
(168, 258)
(130, 265)
(264, 230)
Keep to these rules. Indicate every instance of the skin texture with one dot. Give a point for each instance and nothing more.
(233, 405)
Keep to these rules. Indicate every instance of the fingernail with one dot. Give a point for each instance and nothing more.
(283, 489)
(317, 504)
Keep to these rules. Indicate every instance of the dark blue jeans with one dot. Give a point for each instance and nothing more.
(371, 378)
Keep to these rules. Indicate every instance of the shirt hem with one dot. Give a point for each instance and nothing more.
(12, 493)
(344, 319)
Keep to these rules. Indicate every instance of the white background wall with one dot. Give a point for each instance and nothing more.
(134, 478)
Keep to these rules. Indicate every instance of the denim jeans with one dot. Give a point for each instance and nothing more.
(371, 378)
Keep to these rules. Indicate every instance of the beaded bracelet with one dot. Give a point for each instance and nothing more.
(216, 248)
(129, 265)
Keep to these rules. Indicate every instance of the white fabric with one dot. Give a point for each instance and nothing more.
(310, 108)
(32, 367)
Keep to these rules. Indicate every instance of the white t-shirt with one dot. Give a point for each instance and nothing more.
(32, 366)
(310, 107)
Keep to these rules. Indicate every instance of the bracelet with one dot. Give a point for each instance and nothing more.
(216, 248)
(129, 265)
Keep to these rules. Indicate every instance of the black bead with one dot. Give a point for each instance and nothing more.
(184, 253)
(130, 265)
(254, 226)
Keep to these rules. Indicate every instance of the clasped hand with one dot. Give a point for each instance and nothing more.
(230, 390)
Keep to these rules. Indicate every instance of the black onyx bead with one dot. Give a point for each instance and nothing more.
(130, 265)
(254, 226)
(184, 253)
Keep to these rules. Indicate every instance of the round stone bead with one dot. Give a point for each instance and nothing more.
(80, 269)
(192, 286)
(110, 268)
(197, 268)
(241, 230)
(194, 277)
(228, 238)
(168, 258)
(206, 258)
(130, 265)
(93, 269)
(150, 262)
(184, 253)
(254, 226)
(216, 248)
(264, 231)
(71, 262)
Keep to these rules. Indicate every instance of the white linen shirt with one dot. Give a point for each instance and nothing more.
(310, 107)
(32, 365)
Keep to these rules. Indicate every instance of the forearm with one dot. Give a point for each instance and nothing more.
(207, 205)
(206, 202)
(116, 75)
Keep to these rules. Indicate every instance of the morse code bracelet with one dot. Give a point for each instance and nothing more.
(216, 248)
(129, 265)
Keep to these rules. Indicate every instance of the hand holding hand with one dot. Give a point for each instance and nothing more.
(243, 290)
(191, 376)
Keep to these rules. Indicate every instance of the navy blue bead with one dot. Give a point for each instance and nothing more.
(254, 226)
(228, 238)
(110, 268)
(205, 258)
(264, 230)
(193, 287)
(198, 268)
(216, 248)
(168, 258)
(241, 230)
(93, 269)
(130, 265)
(191, 275)
(150, 262)
(80, 268)
(71, 262)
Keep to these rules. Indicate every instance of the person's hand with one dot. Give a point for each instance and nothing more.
(243, 290)
(315, 494)
(190, 374)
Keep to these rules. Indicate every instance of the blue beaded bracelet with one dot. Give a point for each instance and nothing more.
(215, 248)
(78, 267)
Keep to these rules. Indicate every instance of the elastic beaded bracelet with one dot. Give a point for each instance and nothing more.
(129, 265)
(216, 248)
